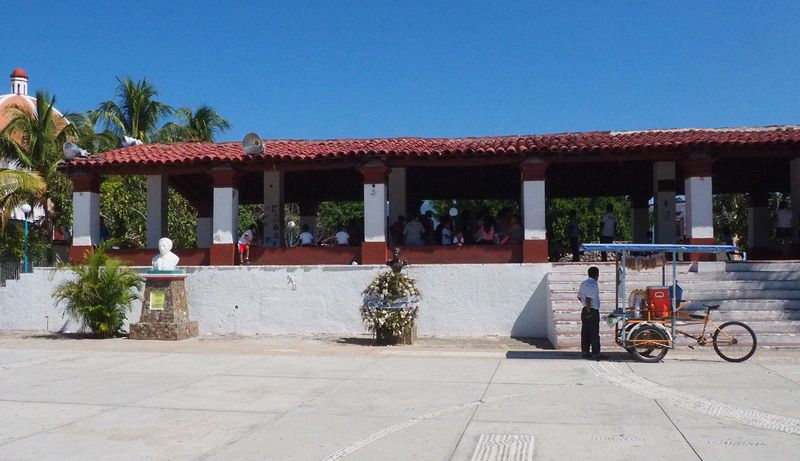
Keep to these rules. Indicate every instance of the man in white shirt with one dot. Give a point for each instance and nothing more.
(342, 238)
(306, 238)
(783, 227)
(608, 228)
(589, 296)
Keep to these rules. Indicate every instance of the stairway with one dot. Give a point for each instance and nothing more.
(765, 295)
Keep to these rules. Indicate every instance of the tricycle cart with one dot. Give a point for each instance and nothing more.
(646, 324)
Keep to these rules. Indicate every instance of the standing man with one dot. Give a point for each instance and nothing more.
(608, 228)
(589, 296)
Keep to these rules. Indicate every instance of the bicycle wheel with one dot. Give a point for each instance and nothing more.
(649, 344)
(734, 341)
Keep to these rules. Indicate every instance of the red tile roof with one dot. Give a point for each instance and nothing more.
(304, 150)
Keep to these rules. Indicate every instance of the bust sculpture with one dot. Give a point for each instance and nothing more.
(166, 260)
(396, 263)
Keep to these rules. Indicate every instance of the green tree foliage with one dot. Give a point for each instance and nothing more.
(123, 207)
(202, 125)
(16, 187)
(101, 293)
(730, 217)
(333, 215)
(589, 211)
(40, 135)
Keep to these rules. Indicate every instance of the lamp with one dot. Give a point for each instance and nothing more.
(26, 209)
(71, 150)
(291, 225)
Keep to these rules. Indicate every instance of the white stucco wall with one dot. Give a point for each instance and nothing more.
(86, 218)
(458, 300)
(699, 208)
(533, 210)
(374, 212)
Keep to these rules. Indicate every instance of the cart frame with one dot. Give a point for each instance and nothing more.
(622, 251)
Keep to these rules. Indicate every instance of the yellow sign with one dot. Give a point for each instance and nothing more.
(157, 300)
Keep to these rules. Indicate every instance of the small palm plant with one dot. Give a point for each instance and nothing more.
(102, 292)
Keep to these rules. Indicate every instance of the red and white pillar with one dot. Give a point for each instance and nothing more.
(534, 247)
(85, 214)
(226, 216)
(374, 249)
(157, 195)
(699, 203)
(205, 226)
(274, 235)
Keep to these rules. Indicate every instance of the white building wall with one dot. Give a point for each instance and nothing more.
(457, 300)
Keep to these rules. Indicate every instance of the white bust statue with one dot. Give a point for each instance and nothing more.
(166, 259)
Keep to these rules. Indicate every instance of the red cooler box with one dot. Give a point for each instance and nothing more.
(658, 300)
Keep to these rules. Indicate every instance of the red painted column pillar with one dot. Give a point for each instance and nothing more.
(85, 214)
(374, 249)
(699, 220)
(534, 247)
(226, 217)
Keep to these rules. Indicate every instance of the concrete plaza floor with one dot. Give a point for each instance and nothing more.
(328, 398)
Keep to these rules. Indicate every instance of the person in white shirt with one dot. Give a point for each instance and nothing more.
(608, 228)
(414, 232)
(244, 244)
(342, 238)
(783, 227)
(306, 238)
(589, 296)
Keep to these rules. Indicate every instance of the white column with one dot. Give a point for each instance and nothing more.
(85, 218)
(699, 208)
(533, 210)
(205, 231)
(794, 171)
(397, 193)
(226, 205)
(374, 212)
(157, 197)
(273, 209)
(664, 203)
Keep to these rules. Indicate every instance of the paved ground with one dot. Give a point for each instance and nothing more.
(323, 398)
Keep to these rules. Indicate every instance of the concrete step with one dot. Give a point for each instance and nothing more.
(690, 285)
(696, 296)
(758, 326)
(763, 266)
(741, 315)
(747, 276)
(608, 344)
(725, 304)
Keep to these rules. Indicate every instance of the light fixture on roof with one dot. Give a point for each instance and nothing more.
(72, 150)
(126, 141)
(252, 144)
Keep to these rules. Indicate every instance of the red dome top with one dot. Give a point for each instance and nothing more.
(19, 72)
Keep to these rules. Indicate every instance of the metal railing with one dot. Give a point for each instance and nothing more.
(9, 270)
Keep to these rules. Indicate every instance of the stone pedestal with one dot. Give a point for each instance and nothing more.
(165, 312)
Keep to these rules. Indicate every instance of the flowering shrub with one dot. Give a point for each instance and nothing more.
(390, 304)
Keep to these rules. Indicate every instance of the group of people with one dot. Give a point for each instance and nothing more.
(425, 229)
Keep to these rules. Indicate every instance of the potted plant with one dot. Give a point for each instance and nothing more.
(101, 293)
(390, 306)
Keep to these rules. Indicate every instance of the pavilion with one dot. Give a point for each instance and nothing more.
(658, 164)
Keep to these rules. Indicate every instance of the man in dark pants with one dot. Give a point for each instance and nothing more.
(589, 296)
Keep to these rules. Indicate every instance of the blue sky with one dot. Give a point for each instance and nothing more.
(335, 69)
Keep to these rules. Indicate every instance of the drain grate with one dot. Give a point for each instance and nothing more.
(504, 447)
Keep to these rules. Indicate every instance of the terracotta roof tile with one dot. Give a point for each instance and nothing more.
(308, 150)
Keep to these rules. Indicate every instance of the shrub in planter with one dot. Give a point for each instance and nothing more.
(390, 306)
(101, 293)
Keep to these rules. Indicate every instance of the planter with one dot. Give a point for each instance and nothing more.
(386, 337)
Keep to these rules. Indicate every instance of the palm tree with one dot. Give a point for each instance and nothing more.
(16, 186)
(35, 139)
(86, 134)
(136, 113)
(202, 125)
